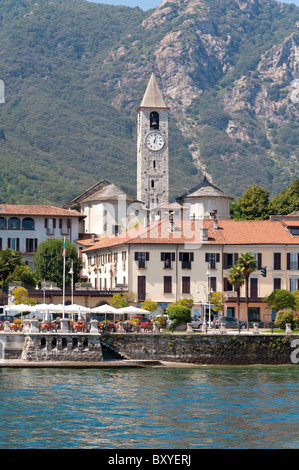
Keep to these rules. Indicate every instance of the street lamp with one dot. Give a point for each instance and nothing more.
(202, 304)
(207, 299)
(71, 272)
(209, 290)
(43, 288)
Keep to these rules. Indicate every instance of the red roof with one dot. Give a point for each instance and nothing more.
(229, 232)
(15, 209)
(290, 223)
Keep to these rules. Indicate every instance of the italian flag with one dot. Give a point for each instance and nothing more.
(64, 250)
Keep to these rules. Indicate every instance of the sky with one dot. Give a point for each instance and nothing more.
(147, 4)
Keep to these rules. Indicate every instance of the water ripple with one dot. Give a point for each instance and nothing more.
(184, 408)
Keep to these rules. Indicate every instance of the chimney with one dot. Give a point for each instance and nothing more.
(213, 214)
(92, 238)
(171, 222)
(203, 234)
(193, 223)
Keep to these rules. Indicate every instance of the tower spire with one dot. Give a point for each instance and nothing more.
(153, 97)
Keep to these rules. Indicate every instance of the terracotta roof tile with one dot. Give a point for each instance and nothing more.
(256, 232)
(88, 241)
(16, 209)
(290, 223)
(229, 232)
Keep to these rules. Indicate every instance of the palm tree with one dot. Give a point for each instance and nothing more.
(247, 264)
(237, 279)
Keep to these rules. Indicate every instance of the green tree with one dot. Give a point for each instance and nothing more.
(23, 274)
(9, 260)
(287, 200)
(236, 278)
(117, 301)
(162, 321)
(254, 204)
(48, 262)
(281, 299)
(296, 295)
(149, 305)
(186, 302)
(217, 300)
(286, 316)
(236, 212)
(122, 300)
(179, 314)
(247, 265)
(21, 297)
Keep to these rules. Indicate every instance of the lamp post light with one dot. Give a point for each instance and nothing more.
(207, 299)
(209, 291)
(202, 305)
(71, 272)
(43, 288)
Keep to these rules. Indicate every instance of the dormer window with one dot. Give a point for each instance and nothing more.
(154, 120)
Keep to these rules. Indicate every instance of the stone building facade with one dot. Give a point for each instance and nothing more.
(166, 262)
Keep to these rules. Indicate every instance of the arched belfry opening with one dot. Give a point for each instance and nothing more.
(154, 120)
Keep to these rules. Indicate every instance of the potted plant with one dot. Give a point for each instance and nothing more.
(162, 322)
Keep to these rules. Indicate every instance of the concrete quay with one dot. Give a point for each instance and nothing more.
(16, 363)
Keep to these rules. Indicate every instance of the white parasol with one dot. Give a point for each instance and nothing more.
(19, 308)
(74, 308)
(106, 309)
(134, 311)
(47, 309)
(50, 307)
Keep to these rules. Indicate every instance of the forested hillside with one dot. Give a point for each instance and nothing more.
(75, 73)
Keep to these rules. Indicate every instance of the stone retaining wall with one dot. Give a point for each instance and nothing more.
(11, 346)
(62, 348)
(204, 349)
(51, 347)
(197, 348)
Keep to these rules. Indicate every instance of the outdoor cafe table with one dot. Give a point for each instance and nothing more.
(47, 325)
(15, 326)
(79, 326)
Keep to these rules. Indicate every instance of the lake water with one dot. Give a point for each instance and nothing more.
(200, 407)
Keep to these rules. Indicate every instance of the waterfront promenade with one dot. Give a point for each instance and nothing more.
(92, 347)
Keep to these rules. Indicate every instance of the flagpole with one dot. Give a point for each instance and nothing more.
(63, 295)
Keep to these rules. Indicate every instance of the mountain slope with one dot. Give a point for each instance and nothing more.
(75, 72)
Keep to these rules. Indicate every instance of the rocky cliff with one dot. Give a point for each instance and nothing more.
(75, 73)
(230, 74)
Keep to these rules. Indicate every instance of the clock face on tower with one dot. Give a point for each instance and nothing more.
(154, 141)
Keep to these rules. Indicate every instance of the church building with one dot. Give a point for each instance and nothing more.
(109, 210)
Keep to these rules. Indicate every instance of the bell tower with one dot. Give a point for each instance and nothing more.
(152, 147)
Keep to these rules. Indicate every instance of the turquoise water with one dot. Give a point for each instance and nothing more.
(172, 408)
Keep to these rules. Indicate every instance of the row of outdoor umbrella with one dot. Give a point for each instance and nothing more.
(74, 308)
